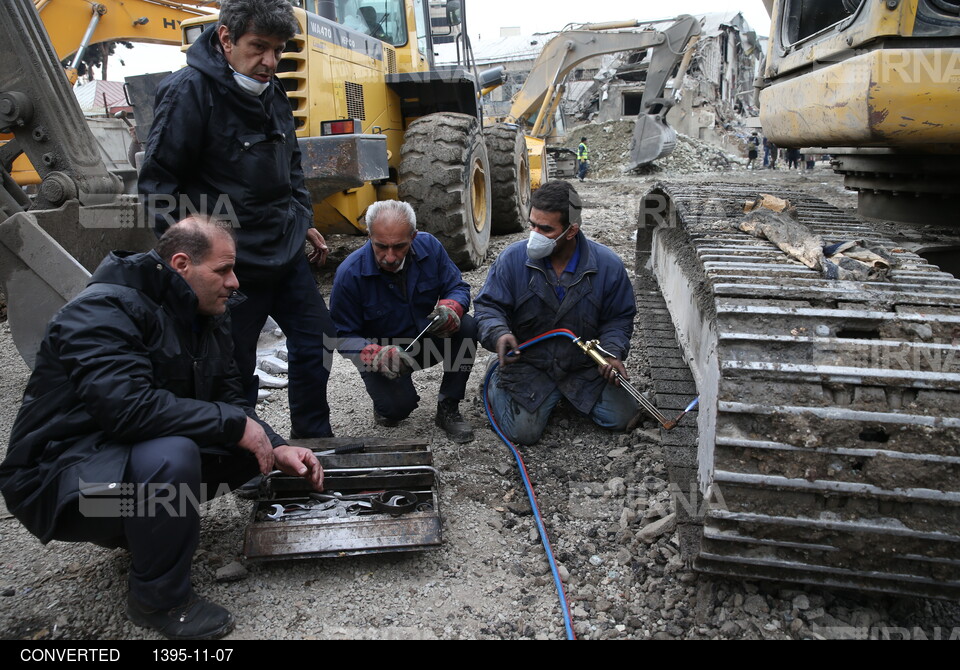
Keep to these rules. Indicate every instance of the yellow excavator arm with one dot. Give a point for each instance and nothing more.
(534, 106)
(73, 25)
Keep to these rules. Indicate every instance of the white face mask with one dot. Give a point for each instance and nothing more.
(540, 246)
(249, 84)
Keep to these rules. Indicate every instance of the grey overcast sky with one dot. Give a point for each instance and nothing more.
(486, 17)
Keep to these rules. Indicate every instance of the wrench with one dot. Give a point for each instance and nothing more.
(281, 512)
(325, 510)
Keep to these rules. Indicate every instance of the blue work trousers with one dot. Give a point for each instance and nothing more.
(612, 411)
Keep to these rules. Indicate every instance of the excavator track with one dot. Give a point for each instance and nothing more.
(826, 448)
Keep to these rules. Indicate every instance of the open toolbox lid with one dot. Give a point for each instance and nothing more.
(359, 469)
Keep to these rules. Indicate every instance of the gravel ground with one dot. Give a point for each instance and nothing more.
(605, 505)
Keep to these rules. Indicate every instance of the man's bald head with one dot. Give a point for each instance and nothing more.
(203, 252)
(193, 236)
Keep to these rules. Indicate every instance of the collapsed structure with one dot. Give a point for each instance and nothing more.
(717, 97)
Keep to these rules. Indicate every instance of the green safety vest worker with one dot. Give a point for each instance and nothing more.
(583, 154)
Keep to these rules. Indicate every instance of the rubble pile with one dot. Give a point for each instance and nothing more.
(609, 145)
(692, 156)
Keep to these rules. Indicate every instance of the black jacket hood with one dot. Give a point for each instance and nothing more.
(151, 276)
(206, 55)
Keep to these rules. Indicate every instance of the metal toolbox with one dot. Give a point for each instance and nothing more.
(375, 511)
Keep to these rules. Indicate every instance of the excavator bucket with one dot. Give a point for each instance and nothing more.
(50, 243)
(47, 256)
(652, 139)
(38, 276)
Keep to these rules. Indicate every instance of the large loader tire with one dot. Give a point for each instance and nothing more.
(511, 178)
(445, 176)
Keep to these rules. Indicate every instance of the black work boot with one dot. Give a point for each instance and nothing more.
(381, 420)
(453, 424)
(196, 619)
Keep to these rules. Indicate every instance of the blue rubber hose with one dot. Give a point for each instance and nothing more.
(538, 519)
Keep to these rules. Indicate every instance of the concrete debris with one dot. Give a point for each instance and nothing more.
(714, 101)
(616, 486)
(272, 365)
(232, 572)
(609, 145)
(651, 532)
(755, 605)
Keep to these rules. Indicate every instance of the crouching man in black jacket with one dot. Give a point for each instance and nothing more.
(135, 413)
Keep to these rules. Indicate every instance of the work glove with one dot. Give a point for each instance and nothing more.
(450, 313)
(392, 362)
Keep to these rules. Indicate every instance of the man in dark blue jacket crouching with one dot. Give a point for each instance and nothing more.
(384, 295)
(556, 279)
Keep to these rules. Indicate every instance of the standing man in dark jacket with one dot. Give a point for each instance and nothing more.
(134, 414)
(753, 145)
(223, 142)
(384, 295)
(557, 279)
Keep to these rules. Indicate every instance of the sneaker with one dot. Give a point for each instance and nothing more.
(384, 421)
(197, 619)
(452, 422)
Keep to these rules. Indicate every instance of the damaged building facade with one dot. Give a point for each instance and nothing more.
(718, 100)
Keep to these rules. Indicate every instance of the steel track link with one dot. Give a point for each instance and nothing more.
(673, 388)
(828, 439)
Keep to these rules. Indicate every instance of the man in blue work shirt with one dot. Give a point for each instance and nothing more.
(384, 295)
(557, 279)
